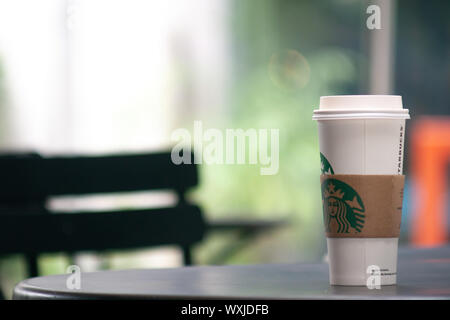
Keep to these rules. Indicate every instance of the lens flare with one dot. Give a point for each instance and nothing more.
(289, 69)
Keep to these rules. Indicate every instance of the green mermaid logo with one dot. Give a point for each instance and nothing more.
(325, 165)
(343, 208)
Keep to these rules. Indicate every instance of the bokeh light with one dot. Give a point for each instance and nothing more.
(289, 69)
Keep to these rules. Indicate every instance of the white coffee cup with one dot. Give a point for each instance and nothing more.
(362, 134)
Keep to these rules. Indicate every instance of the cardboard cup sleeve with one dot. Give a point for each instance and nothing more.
(362, 206)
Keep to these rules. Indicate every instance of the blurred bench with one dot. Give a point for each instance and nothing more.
(27, 226)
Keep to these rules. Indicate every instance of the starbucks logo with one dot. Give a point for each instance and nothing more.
(343, 208)
(325, 165)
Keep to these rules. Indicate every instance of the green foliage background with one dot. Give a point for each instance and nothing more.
(276, 43)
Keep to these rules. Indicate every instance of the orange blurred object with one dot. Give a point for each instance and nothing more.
(430, 156)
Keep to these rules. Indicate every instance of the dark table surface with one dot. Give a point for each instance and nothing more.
(422, 274)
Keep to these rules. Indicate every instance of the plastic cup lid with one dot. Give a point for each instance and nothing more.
(361, 107)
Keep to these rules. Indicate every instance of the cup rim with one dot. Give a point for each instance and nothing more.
(401, 114)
